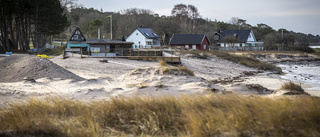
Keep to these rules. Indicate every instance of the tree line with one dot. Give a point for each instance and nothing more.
(35, 21)
(30, 21)
(184, 18)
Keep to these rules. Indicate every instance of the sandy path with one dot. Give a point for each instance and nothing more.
(214, 68)
(91, 68)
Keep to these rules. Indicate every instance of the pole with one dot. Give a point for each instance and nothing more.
(111, 25)
(98, 33)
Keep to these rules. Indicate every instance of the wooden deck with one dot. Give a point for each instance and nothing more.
(139, 55)
(145, 58)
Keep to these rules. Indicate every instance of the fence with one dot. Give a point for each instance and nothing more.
(128, 53)
(245, 48)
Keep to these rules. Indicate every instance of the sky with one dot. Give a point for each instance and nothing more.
(296, 15)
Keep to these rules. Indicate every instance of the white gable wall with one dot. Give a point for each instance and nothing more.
(137, 37)
(251, 37)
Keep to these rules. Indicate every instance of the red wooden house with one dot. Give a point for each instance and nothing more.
(190, 41)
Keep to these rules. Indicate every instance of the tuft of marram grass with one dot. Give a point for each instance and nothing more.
(162, 63)
(179, 70)
(291, 86)
(201, 116)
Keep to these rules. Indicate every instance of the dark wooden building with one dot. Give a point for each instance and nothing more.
(190, 41)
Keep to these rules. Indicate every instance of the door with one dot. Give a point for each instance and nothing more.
(194, 46)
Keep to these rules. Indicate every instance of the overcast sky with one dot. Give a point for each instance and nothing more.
(297, 15)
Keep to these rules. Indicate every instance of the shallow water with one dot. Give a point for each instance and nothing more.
(302, 72)
(315, 47)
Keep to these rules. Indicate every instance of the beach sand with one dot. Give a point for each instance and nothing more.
(89, 79)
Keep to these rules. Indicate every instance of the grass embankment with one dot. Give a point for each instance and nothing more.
(182, 70)
(224, 115)
(244, 60)
(294, 89)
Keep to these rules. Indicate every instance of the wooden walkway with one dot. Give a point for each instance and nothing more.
(147, 57)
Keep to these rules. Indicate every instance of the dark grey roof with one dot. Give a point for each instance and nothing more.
(241, 34)
(77, 42)
(181, 39)
(106, 41)
(148, 33)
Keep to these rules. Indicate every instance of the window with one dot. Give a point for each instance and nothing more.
(186, 46)
(148, 43)
(156, 43)
(147, 34)
(204, 46)
(194, 46)
(137, 34)
(155, 34)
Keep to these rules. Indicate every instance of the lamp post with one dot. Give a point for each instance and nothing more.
(110, 25)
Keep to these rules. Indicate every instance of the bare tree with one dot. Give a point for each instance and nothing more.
(231, 40)
(187, 16)
(240, 23)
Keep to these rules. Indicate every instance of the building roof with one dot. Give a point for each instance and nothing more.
(241, 34)
(77, 35)
(181, 39)
(148, 33)
(77, 42)
(107, 41)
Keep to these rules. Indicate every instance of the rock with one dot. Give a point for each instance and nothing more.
(260, 89)
(29, 79)
(248, 73)
(103, 60)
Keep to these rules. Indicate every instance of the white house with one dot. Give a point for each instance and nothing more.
(144, 38)
(244, 38)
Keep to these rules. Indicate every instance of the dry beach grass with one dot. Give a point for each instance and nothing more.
(211, 115)
(244, 60)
